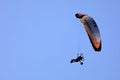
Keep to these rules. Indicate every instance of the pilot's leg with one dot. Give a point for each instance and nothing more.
(73, 60)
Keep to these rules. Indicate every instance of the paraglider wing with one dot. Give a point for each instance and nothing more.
(92, 30)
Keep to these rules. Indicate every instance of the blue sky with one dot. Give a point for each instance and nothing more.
(39, 38)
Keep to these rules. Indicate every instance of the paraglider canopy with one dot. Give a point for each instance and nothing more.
(91, 29)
